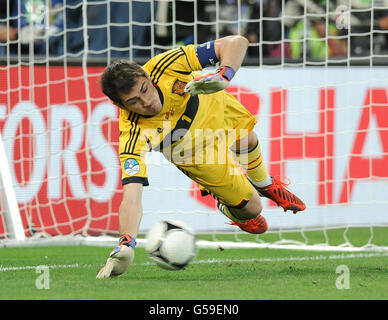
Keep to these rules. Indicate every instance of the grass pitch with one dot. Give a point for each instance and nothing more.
(227, 274)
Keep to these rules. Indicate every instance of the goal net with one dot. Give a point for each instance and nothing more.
(314, 76)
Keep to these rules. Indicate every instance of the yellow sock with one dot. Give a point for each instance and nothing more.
(252, 162)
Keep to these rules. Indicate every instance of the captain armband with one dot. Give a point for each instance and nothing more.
(206, 54)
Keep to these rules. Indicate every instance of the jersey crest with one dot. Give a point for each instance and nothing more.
(179, 87)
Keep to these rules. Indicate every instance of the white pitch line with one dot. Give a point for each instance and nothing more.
(52, 266)
(308, 258)
(209, 261)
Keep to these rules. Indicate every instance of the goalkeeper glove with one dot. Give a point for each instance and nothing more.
(210, 82)
(119, 259)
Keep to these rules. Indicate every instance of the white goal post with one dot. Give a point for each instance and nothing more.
(9, 205)
(314, 76)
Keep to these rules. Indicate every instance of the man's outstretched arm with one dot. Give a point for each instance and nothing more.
(131, 210)
(130, 214)
(230, 52)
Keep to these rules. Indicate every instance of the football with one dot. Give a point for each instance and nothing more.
(171, 244)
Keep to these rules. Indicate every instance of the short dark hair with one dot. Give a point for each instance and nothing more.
(120, 77)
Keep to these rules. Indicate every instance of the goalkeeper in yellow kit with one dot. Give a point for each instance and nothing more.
(166, 106)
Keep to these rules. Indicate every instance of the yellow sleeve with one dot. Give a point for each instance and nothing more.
(133, 169)
(191, 57)
(132, 149)
(182, 60)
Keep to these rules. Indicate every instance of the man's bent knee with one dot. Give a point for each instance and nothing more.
(251, 210)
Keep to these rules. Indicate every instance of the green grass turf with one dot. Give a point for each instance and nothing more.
(237, 274)
(334, 237)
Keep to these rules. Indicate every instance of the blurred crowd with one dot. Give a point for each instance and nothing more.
(295, 29)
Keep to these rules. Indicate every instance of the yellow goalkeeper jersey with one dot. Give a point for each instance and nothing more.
(182, 115)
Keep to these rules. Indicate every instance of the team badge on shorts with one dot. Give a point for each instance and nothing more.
(179, 87)
(131, 166)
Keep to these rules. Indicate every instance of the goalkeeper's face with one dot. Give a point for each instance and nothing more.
(143, 98)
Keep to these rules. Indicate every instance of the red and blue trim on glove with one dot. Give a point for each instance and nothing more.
(211, 82)
(127, 240)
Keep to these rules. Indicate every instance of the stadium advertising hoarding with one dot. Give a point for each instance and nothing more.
(326, 129)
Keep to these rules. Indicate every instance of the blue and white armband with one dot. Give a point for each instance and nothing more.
(206, 54)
